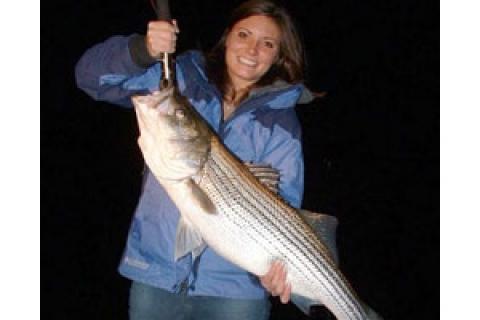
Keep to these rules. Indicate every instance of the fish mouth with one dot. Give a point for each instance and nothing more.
(164, 93)
(155, 99)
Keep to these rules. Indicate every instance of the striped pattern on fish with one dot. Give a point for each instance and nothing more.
(260, 221)
(224, 206)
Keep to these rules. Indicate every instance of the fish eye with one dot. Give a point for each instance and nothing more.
(180, 114)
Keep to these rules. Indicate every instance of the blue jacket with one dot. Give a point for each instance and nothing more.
(264, 129)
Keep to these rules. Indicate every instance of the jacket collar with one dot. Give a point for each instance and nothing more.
(293, 93)
(286, 94)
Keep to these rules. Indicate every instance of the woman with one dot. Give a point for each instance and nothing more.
(246, 89)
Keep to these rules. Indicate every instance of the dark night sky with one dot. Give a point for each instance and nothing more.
(371, 149)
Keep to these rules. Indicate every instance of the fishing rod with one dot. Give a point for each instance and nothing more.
(163, 13)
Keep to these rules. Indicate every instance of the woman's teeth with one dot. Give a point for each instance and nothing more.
(248, 62)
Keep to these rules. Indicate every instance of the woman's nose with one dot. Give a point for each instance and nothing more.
(253, 47)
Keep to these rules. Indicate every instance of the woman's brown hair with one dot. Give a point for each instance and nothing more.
(289, 64)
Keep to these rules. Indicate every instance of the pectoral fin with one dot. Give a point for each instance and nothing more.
(199, 199)
(188, 239)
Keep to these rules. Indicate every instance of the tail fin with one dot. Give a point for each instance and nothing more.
(371, 314)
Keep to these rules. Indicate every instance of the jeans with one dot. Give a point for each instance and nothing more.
(150, 303)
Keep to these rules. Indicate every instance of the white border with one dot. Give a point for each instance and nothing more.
(20, 159)
(460, 159)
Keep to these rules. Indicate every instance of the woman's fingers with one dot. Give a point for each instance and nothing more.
(275, 281)
(161, 37)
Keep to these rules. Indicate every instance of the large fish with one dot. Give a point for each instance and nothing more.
(224, 206)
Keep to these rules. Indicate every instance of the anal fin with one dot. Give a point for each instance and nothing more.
(187, 240)
(303, 303)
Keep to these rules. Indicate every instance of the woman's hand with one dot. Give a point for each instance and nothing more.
(161, 37)
(275, 282)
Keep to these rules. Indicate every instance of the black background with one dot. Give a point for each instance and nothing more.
(371, 149)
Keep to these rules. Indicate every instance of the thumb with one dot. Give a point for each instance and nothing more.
(175, 24)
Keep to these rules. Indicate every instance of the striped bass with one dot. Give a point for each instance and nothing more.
(224, 206)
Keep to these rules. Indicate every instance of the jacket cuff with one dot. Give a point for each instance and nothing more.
(139, 52)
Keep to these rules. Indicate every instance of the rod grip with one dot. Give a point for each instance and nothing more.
(167, 77)
(163, 10)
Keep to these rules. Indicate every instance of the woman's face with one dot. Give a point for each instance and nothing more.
(251, 48)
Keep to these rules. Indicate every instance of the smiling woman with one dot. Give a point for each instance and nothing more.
(251, 48)
(260, 46)
(246, 88)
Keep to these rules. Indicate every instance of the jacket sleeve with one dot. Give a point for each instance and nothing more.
(284, 152)
(108, 72)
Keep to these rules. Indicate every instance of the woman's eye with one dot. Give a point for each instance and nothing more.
(242, 34)
(269, 44)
